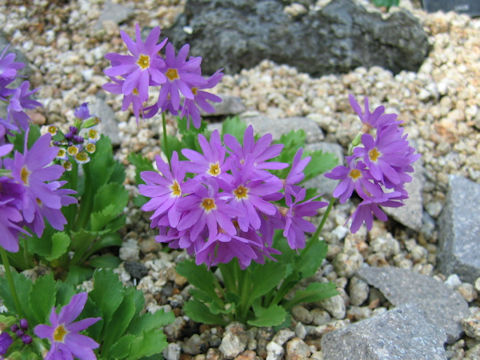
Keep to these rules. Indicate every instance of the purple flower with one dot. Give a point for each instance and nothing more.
(165, 189)
(82, 112)
(42, 195)
(182, 75)
(213, 162)
(142, 68)
(66, 342)
(295, 224)
(369, 207)
(5, 342)
(253, 156)
(133, 98)
(206, 207)
(19, 102)
(190, 108)
(376, 119)
(8, 66)
(356, 177)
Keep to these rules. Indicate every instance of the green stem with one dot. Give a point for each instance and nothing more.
(9, 277)
(86, 201)
(322, 222)
(244, 287)
(165, 141)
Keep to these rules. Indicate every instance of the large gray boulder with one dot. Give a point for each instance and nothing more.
(237, 34)
(459, 230)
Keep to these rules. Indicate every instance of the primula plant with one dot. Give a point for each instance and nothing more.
(61, 201)
(235, 202)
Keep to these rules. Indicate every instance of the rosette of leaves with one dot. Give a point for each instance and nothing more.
(92, 224)
(125, 331)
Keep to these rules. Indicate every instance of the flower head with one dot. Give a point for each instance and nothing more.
(377, 119)
(63, 333)
(5, 342)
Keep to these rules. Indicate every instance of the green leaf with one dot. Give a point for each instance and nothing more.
(320, 163)
(120, 320)
(149, 321)
(107, 293)
(105, 261)
(23, 287)
(182, 127)
(141, 164)
(200, 313)
(60, 244)
(102, 218)
(234, 126)
(311, 258)
(265, 277)
(107, 240)
(42, 297)
(198, 276)
(272, 316)
(387, 3)
(113, 195)
(148, 344)
(77, 274)
(42, 246)
(65, 291)
(122, 348)
(314, 292)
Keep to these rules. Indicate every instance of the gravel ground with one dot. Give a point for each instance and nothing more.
(65, 45)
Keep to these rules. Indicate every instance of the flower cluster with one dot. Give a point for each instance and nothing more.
(30, 191)
(231, 204)
(178, 76)
(378, 168)
(79, 142)
(64, 335)
(19, 99)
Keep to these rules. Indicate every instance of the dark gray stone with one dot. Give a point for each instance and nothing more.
(325, 185)
(459, 230)
(230, 105)
(442, 306)
(399, 334)
(238, 34)
(278, 127)
(136, 269)
(117, 13)
(411, 213)
(470, 7)
(108, 123)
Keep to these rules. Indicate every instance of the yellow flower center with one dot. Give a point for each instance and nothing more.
(52, 129)
(61, 153)
(39, 202)
(59, 333)
(67, 165)
(176, 190)
(214, 169)
(208, 204)
(355, 174)
(194, 90)
(90, 148)
(72, 150)
(374, 154)
(143, 61)
(93, 134)
(24, 175)
(82, 157)
(135, 92)
(172, 74)
(241, 192)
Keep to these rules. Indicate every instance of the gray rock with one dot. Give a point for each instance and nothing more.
(194, 345)
(116, 13)
(283, 336)
(411, 213)
(399, 334)
(335, 305)
(325, 185)
(136, 269)
(297, 350)
(274, 351)
(338, 38)
(279, 127)
(234, 340)
(459, 230)
(442, 306)
(108, 123)
(172, 352)
(358, 291)
(230, 105)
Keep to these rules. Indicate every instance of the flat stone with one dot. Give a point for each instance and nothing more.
(279, 127)
(459, 230)
(399, 334)
(442, 306)
(116, 13)
(108, 122)
(339, 37)
(325, 185)
(234, 340)
(230, 105)
(469, 7)
(411, 213)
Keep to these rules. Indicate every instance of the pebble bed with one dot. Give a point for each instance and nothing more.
(65, 44)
